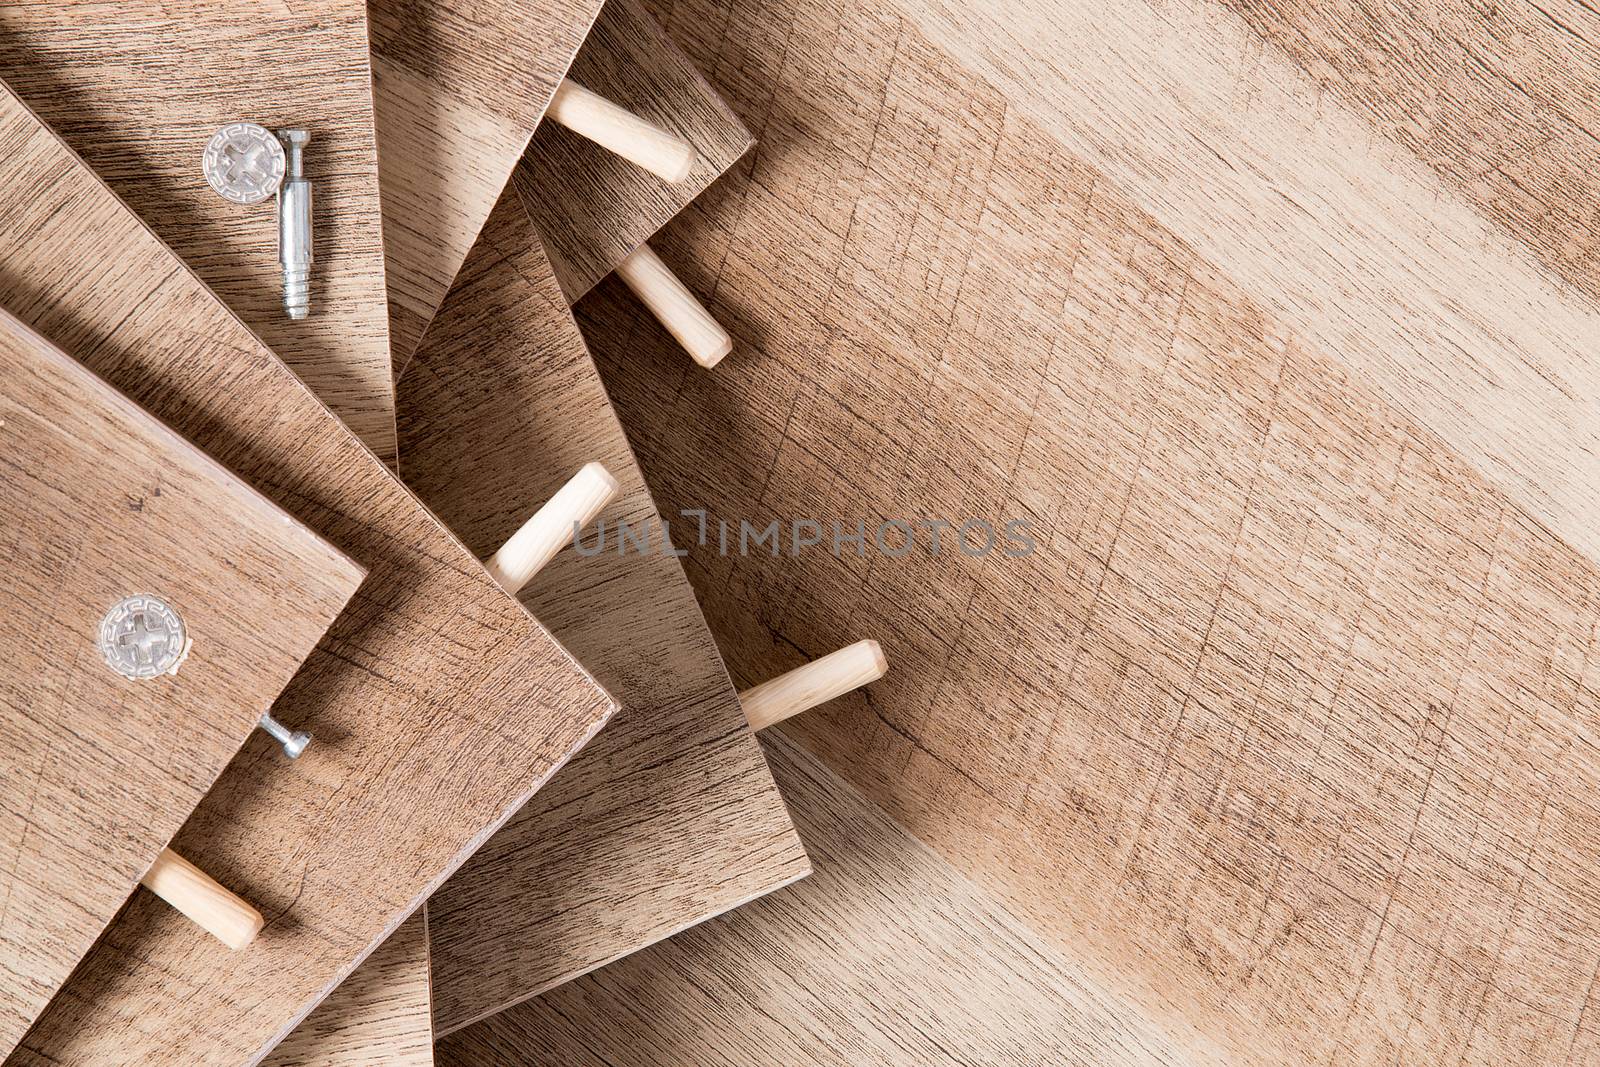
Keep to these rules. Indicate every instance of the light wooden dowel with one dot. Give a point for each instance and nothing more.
(199, 896)
(621, 131)
(551, 527)
(653, 282)
(816, 683)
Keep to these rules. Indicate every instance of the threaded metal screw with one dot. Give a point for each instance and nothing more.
(294, 226)
(294, 742)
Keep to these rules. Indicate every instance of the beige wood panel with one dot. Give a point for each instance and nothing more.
(381, 1014)
(98, 502)
(1502, 100)
(460, 88)
(1286, 725)
(438, 705)
(1345, 236)
(593, 207)
(670, 815)
(885, 955)
(137, 88)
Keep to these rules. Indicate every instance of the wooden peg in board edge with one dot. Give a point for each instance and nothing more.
(653, 282)
(539, 539)
(815, 683)
(203, 899)
(646, 145)
(619, 130)
(576, 504)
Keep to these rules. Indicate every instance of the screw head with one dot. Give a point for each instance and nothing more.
(143, 637)
(244, 163)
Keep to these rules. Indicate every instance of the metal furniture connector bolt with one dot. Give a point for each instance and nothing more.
(294, 227)
(294, 742)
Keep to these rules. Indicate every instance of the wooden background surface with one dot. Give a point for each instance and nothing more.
(438, 704)
(1285, 731)
(97, 772)
(669, 816)
(141, 116)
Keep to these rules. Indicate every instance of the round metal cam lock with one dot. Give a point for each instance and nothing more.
(244, 163)
(143, 637)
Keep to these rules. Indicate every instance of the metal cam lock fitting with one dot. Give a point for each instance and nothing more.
(245, 163)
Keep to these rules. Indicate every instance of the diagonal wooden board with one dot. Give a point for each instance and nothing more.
(137, 88)
(98, 501)
(438, 704)
(459, 89)
(885, 955)
(381, 1014)
(670, 815)
(1289, 721)
(593, 208)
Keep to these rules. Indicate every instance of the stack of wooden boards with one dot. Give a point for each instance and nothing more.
(438, 706)
(1272, 321)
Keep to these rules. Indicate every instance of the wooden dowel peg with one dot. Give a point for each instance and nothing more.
(199, 896)
(815, 683)
(619, 130)
(653, 282)
(574, 506)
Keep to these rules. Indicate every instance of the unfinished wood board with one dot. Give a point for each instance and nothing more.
(670, 815)
(459, 89)
(137, 88)
(1286, 724)
(437, 703)
(593, 207)
(885, 955)
(98, 502)
(380, 1014)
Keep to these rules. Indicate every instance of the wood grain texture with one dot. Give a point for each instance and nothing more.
(137, 88)
(593, 207)
(1502, 100)
(98, 501)
(1341, 234)
(670, 815)
(438, 704)
(381, 1014)
(885, 955)
(460, 88)
(1287, 725)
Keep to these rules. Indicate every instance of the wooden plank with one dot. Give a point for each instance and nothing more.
(98, 501)
(593, 207)
(459, 88)
(885, 955)
(438, 704)
(670, 816)
(1287, 721)
(380, 1014)
(138, 88)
